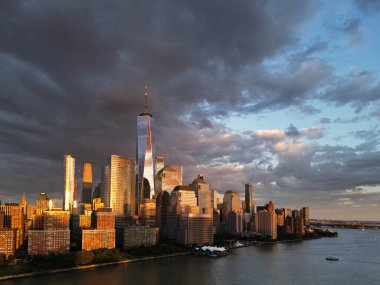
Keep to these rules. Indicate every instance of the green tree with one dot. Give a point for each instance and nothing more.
(3, 260)
(83, 257)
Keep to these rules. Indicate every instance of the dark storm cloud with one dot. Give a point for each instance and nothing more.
(72, 73)
(72, 77)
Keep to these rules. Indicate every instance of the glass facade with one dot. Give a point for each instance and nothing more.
(122, 185)
(249, 203)
(145, 158)
(69, 181)
(87, 183)
(105, 186)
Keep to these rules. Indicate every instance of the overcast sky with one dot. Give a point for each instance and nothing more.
(282, 94)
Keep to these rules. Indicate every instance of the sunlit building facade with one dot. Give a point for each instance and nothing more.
(168, 178)
(55, 235)
(13, 218)
(160, 163)
(8, 239)
(145, 156)
(87, 183)
(122, 185)
(266, 224)
(305, 212)
(69, 182)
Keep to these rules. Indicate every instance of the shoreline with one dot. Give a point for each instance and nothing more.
(89, 266)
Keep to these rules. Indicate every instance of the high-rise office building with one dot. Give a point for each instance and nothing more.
(87, 183)
(122, 186)
(23, 203)
(97, 191)
(69, 182)
(306, 215)
(145, 156)
(231, 202)
(105, 185)
(42, 203)
(160, 163)
(168, 178)
(249, 203)
(184, 223)
(1, 220)
(266, 224)
(203, 193)
(13, 218)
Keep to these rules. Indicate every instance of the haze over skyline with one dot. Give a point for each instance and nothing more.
(284, 95)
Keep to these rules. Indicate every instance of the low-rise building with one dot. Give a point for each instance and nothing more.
(95, 239)
(140, 235)
(8, 241)
(54, 237)
(43, 242)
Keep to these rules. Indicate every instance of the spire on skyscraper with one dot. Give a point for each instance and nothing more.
(146, 112)
(146, 100)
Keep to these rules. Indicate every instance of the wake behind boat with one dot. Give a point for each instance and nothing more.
(332, 258)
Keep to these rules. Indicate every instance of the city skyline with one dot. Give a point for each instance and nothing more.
(286, 98)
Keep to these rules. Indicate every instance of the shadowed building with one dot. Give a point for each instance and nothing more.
(249, 202)
(140, 235)
(87, 183)
(105, 185)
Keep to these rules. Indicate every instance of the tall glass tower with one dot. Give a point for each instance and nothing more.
(121, 185)
(145, 155)
(69, 182)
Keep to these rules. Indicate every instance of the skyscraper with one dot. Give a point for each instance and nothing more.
(87, 183)
(145, 155)
(69, 181)
(249, 203)
(168, 178)
(105, 186)
(160, 163)
(122, 185)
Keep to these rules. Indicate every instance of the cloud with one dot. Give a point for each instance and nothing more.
(369, 6)
(292, 131)
(73, 76)
(358, 89)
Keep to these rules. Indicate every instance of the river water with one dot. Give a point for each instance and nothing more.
(282, 263)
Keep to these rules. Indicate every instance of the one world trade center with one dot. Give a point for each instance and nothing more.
(145, 155)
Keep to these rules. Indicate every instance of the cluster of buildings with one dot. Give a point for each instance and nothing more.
(138, 202)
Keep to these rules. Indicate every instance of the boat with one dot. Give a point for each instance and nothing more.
(332, 258)
(212, 251)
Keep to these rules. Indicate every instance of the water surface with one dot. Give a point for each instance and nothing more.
(282, 263)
